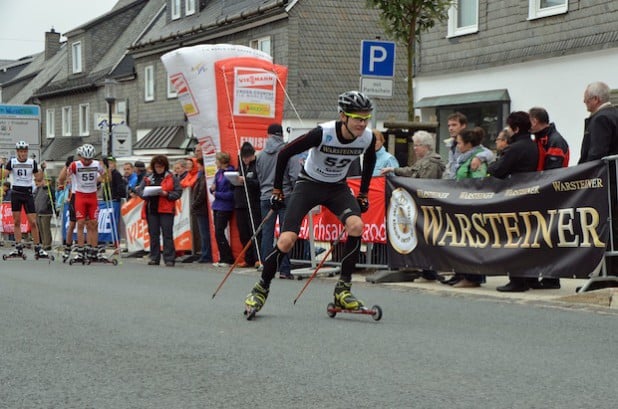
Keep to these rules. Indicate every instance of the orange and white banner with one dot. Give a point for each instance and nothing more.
(136, 228)
(230, 95)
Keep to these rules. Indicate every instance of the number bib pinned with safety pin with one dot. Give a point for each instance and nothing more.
(330, 161)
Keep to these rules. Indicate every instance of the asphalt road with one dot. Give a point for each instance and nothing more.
(137, 336)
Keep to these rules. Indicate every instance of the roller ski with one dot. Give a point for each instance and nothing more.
(80, 257)
(346, 302)
(66, 253)
(255, 300)
(40, 253)
(17, 252)
(97, 255)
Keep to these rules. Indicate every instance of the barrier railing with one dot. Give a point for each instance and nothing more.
(601, 278)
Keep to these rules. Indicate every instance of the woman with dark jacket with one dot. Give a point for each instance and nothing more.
(159, 209)
(222, 207)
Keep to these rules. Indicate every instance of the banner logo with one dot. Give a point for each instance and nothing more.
(401, 218)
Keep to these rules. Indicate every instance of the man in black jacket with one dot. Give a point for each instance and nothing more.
(248, 214)
(520, 156)
(553, 154)
(601, 140)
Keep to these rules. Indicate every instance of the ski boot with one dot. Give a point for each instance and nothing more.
(344, 298)
(255, 300)
(66, 254)
(40, 253)
(346, 302)
(92, 253)
(80, 256)
(98, 255)
(18, 252)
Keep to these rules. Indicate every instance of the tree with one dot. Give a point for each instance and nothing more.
(404, 21)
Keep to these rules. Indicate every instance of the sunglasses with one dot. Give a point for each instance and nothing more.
(359, 117)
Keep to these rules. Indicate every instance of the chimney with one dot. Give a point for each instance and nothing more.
(52, 43)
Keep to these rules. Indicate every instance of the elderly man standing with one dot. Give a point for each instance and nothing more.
(600, 140)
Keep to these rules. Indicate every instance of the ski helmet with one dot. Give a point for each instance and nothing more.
(354, 101)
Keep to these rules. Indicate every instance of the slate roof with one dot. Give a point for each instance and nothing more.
(9, 69)
(216, 13)
(61, 148)
(161, 138)
(115, 55)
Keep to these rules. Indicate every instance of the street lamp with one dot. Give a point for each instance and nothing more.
(110, 97)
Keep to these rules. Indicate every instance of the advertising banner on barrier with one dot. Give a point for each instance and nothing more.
(7, 225)
(108, 222)
(550, 224)
(137, 228)
(326, 226)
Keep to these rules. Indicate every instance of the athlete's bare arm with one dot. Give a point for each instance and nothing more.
(369, 162)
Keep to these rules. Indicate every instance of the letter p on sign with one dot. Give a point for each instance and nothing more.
(377, 58)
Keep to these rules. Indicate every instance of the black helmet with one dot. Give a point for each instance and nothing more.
(354, 101)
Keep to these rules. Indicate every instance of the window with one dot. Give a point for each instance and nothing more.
(66, 121)
(262, 44)
(76, 57)
(463, 18)
(149, 83)
(175, 9)
(50, 122)
(189, 7)
(121, 107)
(84, 113)
(171, 90)
(545, 8)
(491, 116)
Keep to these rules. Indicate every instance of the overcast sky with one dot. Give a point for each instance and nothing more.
(24, 22)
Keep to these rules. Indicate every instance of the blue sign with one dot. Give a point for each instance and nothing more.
(20, 110)
(377, 58)
(109, 216)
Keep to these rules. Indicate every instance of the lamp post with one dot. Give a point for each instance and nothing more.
(110, 97)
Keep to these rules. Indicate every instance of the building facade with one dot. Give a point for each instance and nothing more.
(493, 57)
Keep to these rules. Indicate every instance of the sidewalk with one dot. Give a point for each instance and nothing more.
(605, 299)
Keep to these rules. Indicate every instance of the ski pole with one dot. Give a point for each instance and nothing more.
(244, 250)
(315, 272)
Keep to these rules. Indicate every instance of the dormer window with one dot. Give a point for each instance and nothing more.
(175, 9)
(76, 57)
(189, 7)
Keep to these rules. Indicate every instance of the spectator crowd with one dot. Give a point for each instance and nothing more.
(530, 142)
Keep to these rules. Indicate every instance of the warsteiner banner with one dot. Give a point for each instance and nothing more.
(551, 224)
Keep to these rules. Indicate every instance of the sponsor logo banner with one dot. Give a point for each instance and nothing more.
(326, 226)
(551, 223)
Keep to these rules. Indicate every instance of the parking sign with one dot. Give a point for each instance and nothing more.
(377, 58)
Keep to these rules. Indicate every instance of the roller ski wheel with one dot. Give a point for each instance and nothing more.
(375, 311)
(4, 257)
(250, 313)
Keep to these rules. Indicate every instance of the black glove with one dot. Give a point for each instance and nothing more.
(363, 202)
(69, 161)
(277, 200)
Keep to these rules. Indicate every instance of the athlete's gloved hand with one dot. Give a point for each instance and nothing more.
(277, 200)
(69, 161)
(363, 202)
